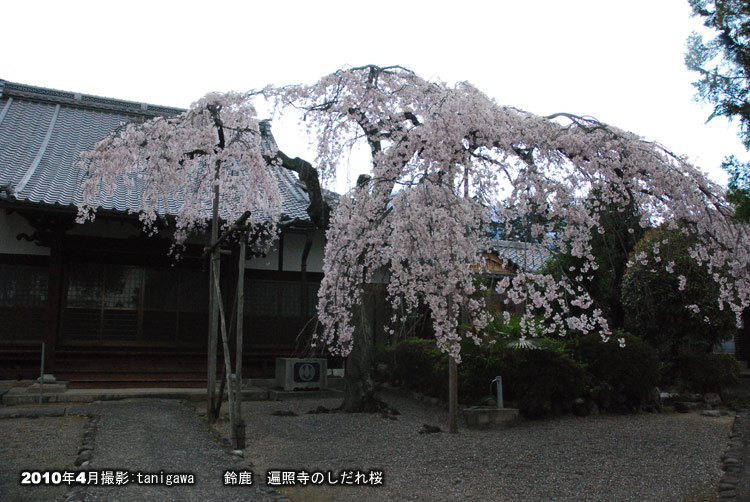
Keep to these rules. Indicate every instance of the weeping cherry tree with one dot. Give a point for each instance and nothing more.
(446, 157)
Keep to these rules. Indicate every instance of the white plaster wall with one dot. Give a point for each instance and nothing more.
(268, 262)
(10, 226)
(315, 259)
(294, 244)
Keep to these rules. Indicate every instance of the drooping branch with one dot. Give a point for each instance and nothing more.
(319, 210)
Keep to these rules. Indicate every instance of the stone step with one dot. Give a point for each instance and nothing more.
(19, 396)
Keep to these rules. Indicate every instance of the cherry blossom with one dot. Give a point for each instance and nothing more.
(175, 166)
(446, 159)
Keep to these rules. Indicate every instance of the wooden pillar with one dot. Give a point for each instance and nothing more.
(54, 296)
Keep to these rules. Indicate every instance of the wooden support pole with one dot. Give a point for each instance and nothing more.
(239, 316)
(213, 334)
(452, 395)
(452, 386)
(238, 225)
(227, 367)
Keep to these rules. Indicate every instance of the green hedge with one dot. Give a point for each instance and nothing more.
(620, 378)
(708, 372)
(416, 364)
(540, 382)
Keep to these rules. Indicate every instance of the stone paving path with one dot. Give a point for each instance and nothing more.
(735, 483)
(160, 436)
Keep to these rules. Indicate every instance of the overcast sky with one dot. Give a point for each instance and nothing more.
(621, 62)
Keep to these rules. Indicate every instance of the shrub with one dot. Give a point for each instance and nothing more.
(541, 382)
(480, 364)
(416, 364)
(545, 382)
(655, 307)
(708, 372)
(620, 378)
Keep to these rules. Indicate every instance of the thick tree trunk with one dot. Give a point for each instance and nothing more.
(360, 386)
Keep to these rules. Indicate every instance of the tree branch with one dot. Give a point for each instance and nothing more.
(318, 210)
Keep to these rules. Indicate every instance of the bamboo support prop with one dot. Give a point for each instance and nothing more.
(239, 309)
(238, 225)
(227, 366)
(213, 321)
(233, 379)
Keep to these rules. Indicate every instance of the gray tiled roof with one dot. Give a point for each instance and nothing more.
(525, 256)
(43, 131)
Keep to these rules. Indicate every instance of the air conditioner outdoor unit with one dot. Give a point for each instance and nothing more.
(295, 373)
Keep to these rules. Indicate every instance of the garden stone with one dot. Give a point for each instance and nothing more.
(711, 413)
(712, 399)
(654, 402)
(685, 406)
(667, 398)
(693, 398)
(732, 479)
(382, 370)
(580, 407)
(593, 409)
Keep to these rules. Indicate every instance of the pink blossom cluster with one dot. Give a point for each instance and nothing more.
(446, 157)
(172, 166)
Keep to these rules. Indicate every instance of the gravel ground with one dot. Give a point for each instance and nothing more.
(638, 457)
(154, 435)
(643, 457)
(39, 444)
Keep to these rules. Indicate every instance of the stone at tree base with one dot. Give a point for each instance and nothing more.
(382, 369)
(654, 402)
(685, 406)
(693, 398)
(594, 409)
(712, 399)
(580, 407)
(711, 413)
(668, 398)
